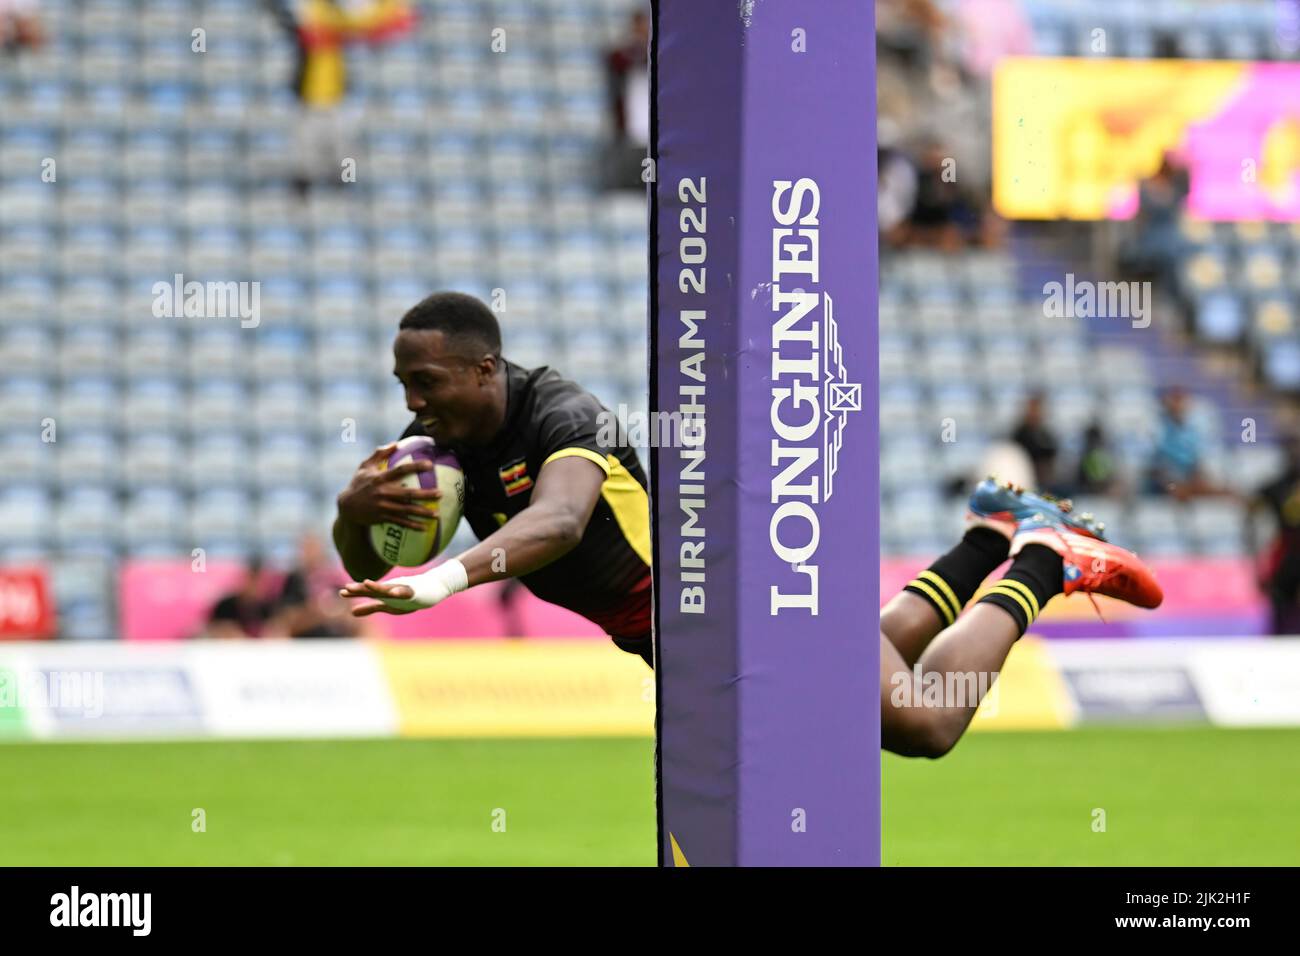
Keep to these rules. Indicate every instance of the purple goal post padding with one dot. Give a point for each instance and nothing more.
(765, 505)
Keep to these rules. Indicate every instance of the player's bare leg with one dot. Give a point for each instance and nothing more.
(977, 644)
(1054, 553)
(934, 598)
(916, 722)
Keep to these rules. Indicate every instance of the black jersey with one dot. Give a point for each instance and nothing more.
(1282, 496)
(606, 577)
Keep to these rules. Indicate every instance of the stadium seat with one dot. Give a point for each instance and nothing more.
(218, 458)
(89, 402)
(347, 407)
(25, 401)
(153, 522)
(154, 352)
(154, 404)
(84, 582)
(26, 512)
(152, 459)
(1219, 317)
(1280, 360)
(1217, 526)
(221, 518)
(283, 459)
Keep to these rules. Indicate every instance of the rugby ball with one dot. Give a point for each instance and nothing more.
(407, 547)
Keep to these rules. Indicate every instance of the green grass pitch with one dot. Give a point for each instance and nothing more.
(1174, 796)
(327, 803)
(1171, 796)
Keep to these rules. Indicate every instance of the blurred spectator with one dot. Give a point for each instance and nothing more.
(1032, 434)
(944, 214)
(1097, 473)
(1278, 564)
(510, 595)
(1004, 460)
(932, 84)
(941, 216)
(309, 603)
(627, 68)
(20, 26)
(1154, 250)
(896, 183)
(1176, 460)
(248, 612)
(908, 31)
(320, 30)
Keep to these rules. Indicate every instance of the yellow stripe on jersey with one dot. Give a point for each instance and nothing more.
(631, 507)
(624, 495)
(590, 456)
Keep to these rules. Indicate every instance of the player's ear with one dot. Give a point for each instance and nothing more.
(487, 368)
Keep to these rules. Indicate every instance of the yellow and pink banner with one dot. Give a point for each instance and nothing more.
(1073, 138)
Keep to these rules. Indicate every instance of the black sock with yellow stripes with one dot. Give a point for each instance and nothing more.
(953, 580)
(1034, 578)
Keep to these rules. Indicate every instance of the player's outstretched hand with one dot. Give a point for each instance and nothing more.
(377, 589)
(375, 493)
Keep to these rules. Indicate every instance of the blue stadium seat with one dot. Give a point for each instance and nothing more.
(221, 518)
(218, 457)
(152, 459)
(341, 403)
(336, 461)
(283, 514)
(284, 404)
(154, 404)
(283, 459)
(26, 512)
(1281, 364)
(24, 400)
(89, 402)
(218, 350)
(156, 351)
(1216, 526)
(24, 457)
(84, 577)
(280, 354)
(1219, 317)
(27, 349)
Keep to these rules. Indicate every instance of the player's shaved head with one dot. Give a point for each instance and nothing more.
(468, 326)
(447, 355)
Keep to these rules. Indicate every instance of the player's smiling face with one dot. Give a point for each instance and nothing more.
(449, 392)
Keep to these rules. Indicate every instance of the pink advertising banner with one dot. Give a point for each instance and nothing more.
(167, 600)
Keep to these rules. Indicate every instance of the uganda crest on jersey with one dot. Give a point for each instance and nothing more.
(515, 479)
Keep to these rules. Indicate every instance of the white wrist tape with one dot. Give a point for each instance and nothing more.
(431, 587)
